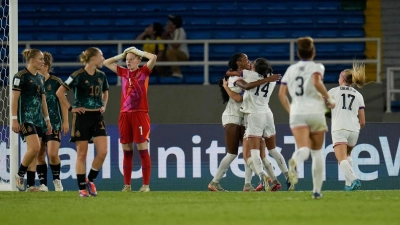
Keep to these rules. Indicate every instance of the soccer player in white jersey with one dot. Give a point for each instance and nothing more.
(232, 121)
(347, 118)
(259, 121)
(303, 81)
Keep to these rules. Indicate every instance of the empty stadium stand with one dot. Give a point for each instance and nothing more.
(203, 19)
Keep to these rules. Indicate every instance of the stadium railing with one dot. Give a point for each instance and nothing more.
(390, 89)
(206, 44)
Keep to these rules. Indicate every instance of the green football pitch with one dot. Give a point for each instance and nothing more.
(359, 207)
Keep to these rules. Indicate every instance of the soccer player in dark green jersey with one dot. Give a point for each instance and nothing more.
(90, 88)
(59, 121)
(30, 117)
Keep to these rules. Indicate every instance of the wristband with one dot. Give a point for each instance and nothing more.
(47, 118)
(70, 108)
(14, 117)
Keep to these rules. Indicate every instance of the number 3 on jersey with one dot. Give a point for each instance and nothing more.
(300, 90)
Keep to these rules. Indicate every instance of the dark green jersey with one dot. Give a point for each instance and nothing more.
(51, 86)
(88, 89)
(30, 101)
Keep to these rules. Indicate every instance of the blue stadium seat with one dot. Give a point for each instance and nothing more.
(51, 9)
(101, 8)
(249, 49)
(227, 7)
(46, 36)
(146, 22)
(328, 6)
(26, 23)
(72, 36)
(151, 7)
(277, 6)
(200, 21)
(250, 34)
(275, 34)
(352, 33)
(125, 8)
(25, 36)
(353, 20)
(98, 36)
(225, 35)
(124, 22)
(74, 22)
(276, 21)
(327, 21)
(202, 7)
(353, 47)
(301, 33)
(123, 36)
(304, 6)
(225, 21)
(302, 21)
(54, 50)
(326, 48)
(250, 21)
(176, 7)
(327, 34)
(27, 8)
(74, 9)
(170, 80)
(198, 35)
(251, 7)
(48, 22)
(99, 22)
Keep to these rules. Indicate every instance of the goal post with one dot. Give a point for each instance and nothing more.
(9, 143)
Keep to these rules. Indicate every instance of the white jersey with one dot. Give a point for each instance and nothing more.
(232, 107)
(305, 97)
(345, 114)
(256, 100)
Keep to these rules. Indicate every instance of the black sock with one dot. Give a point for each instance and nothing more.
(56, 171)
(41, 171)
(30, 181)
(22, 170)
(81, 181)
(92, 175)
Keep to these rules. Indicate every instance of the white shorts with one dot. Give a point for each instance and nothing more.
(227, 119)
(344, 137)
(316, 122)
(259, 125)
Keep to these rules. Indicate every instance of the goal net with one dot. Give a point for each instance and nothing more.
(9, 149)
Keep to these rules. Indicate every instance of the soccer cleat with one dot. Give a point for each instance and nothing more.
(293, 179)
(144, 188)
(355, 185)
(57, 185)
(212, 186)
(83, 193)
(264, 183)
(316, 195)
(19, 182)
(275, 185)
(290, 186)
(32, 189)
(347, 188)
(127, 188)
(91, 188)
(43, 188)
(248, 188)
(259, 187)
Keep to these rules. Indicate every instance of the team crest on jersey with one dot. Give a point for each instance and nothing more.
(77, 133)
(49, 87)
(29, 129)
(99, 80)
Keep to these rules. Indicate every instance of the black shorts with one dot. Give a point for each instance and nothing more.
(87, 126)
(54, 136)
(29, 129)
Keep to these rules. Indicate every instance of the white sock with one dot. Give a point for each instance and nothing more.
(301, 155)
(251, 165)
(223, 167)
(347, 170)
(248, 174)
(255, 156)
(350, 160)
(317, 170)
(268, 168)
(279, 160)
